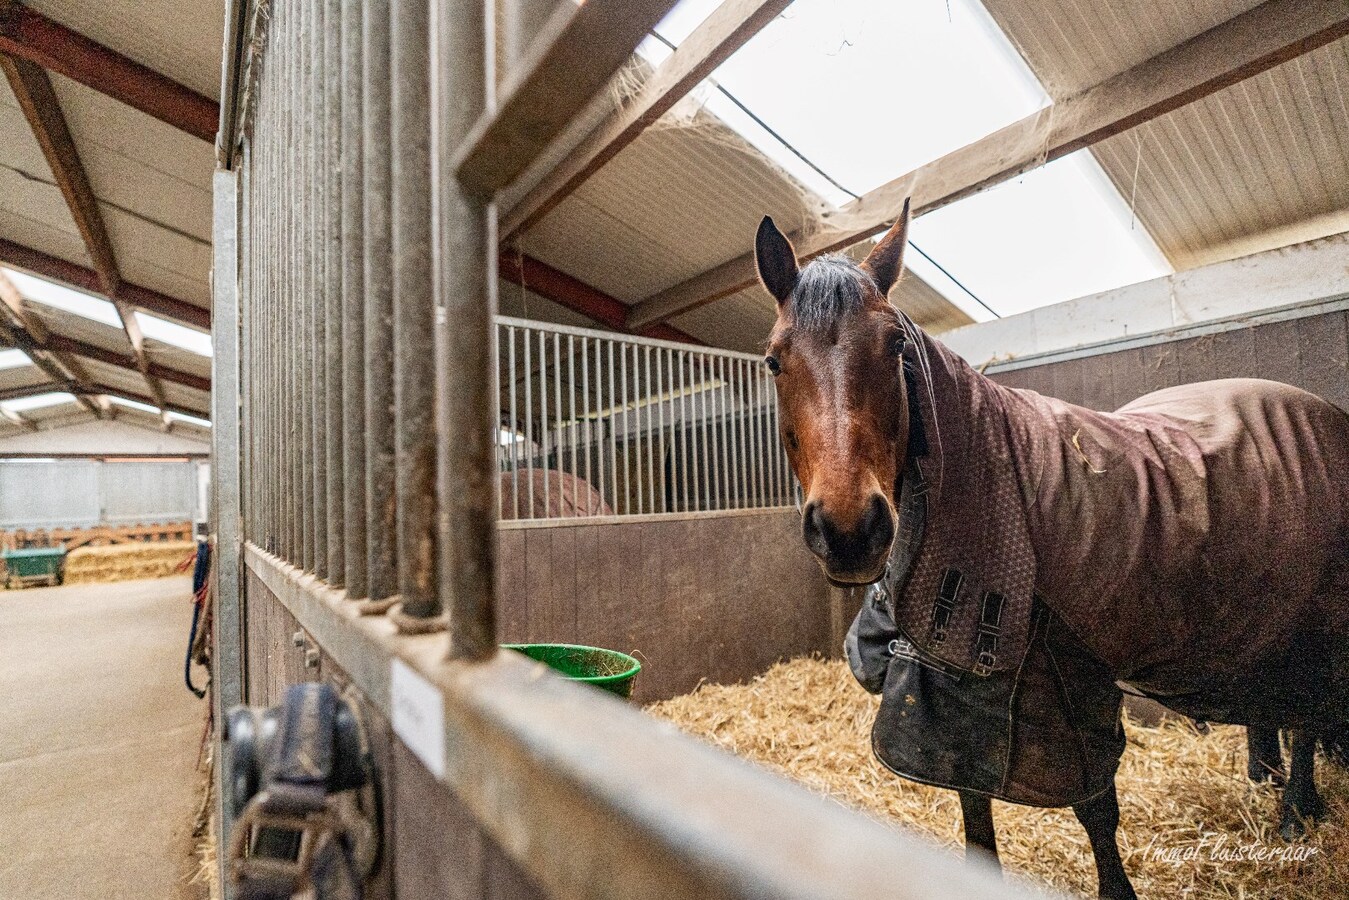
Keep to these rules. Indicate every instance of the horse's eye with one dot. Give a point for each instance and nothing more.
(897, 345)
(773, 367)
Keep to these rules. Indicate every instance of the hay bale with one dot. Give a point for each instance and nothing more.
(123, 562)
(1182, 794)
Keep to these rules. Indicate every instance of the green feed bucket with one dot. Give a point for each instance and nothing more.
(608, 669)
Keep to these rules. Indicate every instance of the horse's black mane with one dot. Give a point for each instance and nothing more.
(828, 289)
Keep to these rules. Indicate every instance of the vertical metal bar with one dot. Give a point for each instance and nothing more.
(332, 294)
(304, 491)
(318, 226)
(627, 428)
(571, 408)
(414, 310)
(756, 375)
(662, 367)
(613, 441)
(557, 416)
(353, 306)
(685, 494)
(737, 458)
(380, 442)
(294, 450)
(705, 460)
(515, 431)
(227, 661)
(543, 422)
(467, 276)
(588, 438)
(649, 396)
(499, 449)
(529, 422)
(742, 434)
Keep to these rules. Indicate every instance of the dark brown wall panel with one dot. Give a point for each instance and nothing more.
(717, 599)
(1311, 353)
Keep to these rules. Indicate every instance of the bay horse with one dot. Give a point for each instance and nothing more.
(1025, 555)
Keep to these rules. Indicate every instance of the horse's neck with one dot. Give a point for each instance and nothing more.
(961, 398)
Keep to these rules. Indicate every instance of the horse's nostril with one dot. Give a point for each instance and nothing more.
(879, 527)
(813, 529)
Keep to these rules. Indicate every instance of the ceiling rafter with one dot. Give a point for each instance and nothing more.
(56, 269)
(713, 42)
(577, 296)
(1255, 41)
(29, 35)
(27, 332)
(32, 87)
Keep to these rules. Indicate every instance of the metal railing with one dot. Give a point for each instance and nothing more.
(597, 424)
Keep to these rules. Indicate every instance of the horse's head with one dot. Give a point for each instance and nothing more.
(835, 352)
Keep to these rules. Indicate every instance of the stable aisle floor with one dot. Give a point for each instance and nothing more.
(98, 743)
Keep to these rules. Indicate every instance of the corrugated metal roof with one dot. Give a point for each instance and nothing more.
(1258, 165)
(182, 41)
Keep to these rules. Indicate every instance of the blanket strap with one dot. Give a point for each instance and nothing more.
(947, 594)
(989, 628)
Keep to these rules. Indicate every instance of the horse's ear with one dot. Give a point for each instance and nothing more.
(886, 261)
(776, 260)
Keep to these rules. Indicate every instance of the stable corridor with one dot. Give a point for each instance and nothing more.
(98, 743)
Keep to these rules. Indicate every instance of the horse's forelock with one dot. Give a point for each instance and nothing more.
(829, 288)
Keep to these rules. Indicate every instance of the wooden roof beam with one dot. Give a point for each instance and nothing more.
(713, 42)
(124, 394)
(24, 330)
(30, 390)
(33, 88)
(10, 415)
(577, 296)
(56, 269)
(570, 61)
(31, 36)
(1253, 42)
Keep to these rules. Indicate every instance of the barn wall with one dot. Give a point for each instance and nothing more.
(68, 493)
(1311, 353)
(719, 598)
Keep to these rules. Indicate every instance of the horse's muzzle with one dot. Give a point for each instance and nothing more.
(853, 556)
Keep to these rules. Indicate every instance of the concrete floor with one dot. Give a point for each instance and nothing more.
(98, 743)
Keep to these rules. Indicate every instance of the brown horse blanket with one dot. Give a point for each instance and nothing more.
(1192, 546)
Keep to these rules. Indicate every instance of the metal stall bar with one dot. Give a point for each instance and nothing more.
(571, 411)
(465, 263)
(413, 310)
(353, 307)
(529, 442)
(588, 436)
(318, 224)
(293, 299)
(543, 420)
(332, 291)
(227, 658)
(303, 50)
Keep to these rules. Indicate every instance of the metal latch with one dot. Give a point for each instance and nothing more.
(299, 781)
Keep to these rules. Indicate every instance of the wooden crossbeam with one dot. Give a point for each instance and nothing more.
(32, 87)
(30, 390)
(10, 415)
(1251, 43)
(572, 59)
(564, 290)
(22, 329)
(31, 36)
(62, 344)
(56, 269)
(125, 394)
(713, 42)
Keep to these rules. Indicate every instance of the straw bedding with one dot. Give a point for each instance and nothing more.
(123, 562)
(1192, 824)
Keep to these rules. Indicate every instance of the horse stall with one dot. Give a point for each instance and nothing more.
(406, 479)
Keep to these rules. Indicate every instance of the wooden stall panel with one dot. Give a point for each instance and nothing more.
(1311, 353)
(710, 598)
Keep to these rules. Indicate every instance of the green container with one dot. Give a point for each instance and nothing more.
(43, 564)
(608, 669)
